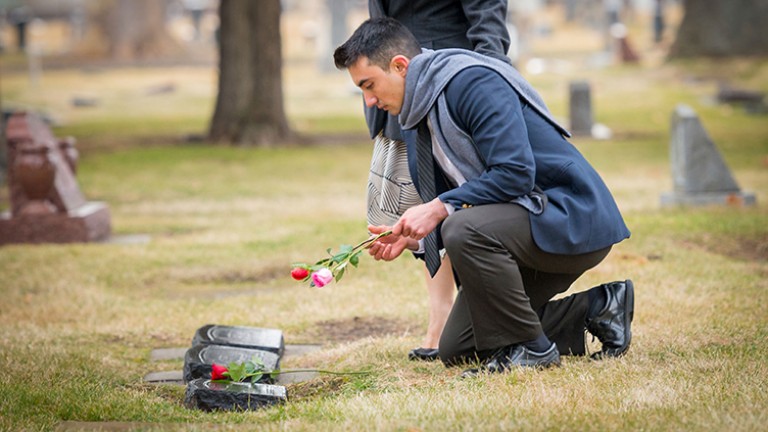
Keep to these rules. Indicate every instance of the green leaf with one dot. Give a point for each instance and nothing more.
(236, 371)
(258, 361)
(322, 263)
(256, 377)
(345, 249)
(339, 274)
(355, 259)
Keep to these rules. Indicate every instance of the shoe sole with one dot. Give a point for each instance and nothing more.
(629, 314)
(414, 356)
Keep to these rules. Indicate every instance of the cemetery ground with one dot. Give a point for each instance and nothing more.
(207, 233)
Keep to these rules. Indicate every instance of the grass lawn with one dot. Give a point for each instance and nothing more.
(79, 321)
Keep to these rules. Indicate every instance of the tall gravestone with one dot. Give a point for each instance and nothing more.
(3, 147)
(47, 205)
(580, 107)
(699, 173)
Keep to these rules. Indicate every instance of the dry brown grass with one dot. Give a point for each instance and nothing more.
(79, 321)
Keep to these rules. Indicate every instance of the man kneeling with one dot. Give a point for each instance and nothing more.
(518, 209)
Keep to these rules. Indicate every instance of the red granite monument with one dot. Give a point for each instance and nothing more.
(47, 205)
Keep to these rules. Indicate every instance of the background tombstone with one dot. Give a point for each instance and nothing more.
(625, 52)
(3, 150)
(580, 105)
(335, 33)
(47, 205)
(699, 173)
(243, 337)
(658, 21)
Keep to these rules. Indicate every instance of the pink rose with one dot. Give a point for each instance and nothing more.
(322, 277)
(217, 372)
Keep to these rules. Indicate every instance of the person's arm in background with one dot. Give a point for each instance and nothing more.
(488, 31)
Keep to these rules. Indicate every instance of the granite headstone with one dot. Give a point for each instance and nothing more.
(210, 395)
(699, 173)
(243, 337)
(199, 358)
(47, 205)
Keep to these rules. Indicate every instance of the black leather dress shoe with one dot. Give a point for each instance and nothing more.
(612, 325)
(516, 356)
(426, 354)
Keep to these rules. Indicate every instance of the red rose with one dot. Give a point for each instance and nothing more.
(217, 372)
(299, 273)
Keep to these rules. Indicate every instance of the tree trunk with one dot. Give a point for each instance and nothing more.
(717, 28)
(249, 107)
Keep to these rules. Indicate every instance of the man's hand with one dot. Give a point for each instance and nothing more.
(389, 247)
(420, 220)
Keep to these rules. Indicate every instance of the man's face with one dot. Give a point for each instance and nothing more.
(381, 88)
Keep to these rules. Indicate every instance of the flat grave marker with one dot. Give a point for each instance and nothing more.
(199, 358)
(208, 395)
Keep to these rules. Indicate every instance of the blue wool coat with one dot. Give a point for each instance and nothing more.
(522, 151)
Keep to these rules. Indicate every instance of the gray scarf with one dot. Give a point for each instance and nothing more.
(430, 71)
(428, 74)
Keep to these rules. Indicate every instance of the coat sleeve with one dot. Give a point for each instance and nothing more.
(491, 113)
(487, 30)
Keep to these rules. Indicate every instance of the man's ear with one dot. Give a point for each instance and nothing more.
(399, 64)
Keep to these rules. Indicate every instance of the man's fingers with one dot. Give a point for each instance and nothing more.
(378, 229)
(397, 229)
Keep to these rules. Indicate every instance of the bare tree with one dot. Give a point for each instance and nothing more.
(249, 107)
(717, 28)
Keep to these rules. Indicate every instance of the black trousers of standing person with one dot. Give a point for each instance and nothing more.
(506, 286)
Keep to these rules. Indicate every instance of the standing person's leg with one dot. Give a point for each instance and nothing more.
(390, 193)
(441, 294)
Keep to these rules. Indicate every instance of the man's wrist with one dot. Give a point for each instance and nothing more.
(440, 209)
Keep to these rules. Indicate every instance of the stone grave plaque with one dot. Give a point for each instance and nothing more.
(208, 395)
(167, 377)
(199, 358)
(244, 337)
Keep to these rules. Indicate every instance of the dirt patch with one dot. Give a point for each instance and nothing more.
(348, 330)
(741, 248)
(227, 277)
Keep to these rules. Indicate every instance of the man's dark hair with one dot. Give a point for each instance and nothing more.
(379, 39)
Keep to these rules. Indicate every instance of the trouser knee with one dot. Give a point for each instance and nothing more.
(455, 231)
